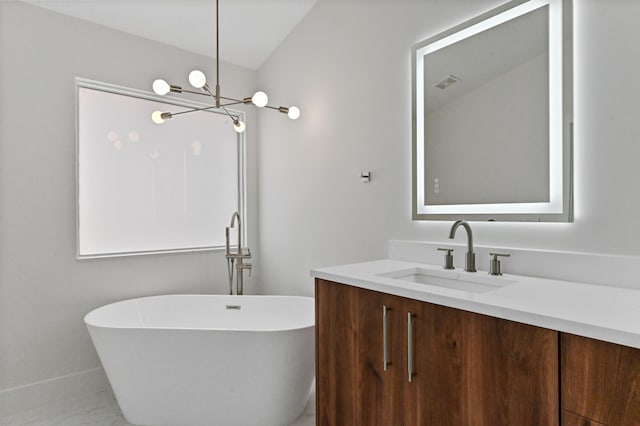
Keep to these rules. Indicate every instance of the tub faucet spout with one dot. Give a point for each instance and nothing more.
(470, 259)
(233, 222)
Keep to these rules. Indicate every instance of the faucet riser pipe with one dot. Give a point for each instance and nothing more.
(470, 262)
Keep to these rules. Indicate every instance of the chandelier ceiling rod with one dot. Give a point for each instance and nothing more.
(198, 80)
(217, 57)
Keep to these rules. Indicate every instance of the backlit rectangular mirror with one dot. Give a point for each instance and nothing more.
(492, 117)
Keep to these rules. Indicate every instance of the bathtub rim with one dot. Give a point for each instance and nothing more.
(89, 323)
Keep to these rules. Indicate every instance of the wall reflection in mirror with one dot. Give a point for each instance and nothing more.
(492, 114)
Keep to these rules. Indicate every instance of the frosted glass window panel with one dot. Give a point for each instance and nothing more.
(144, 187)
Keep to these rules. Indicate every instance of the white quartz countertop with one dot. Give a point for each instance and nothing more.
(606, 313)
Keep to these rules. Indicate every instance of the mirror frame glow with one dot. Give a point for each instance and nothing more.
(559, 207)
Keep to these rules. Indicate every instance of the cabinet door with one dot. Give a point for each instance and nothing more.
(434, 394)
(379, 387)
(335, 354)
(352, 385)
(600, 380)
(513, 372)
(473, 369)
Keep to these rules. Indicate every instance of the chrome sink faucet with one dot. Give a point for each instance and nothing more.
(470, 259)
(239, 255)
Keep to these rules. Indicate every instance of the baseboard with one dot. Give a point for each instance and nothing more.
(51, 391)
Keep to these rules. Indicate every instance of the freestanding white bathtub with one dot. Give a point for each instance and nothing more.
(187, 360)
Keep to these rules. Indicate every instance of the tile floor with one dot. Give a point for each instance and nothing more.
(101, 409)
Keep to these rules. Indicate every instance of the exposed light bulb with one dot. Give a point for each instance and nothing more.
(156, 117)
(238, 126)
(294, 112)
(161, 87)
(197, 79)
(260, 99)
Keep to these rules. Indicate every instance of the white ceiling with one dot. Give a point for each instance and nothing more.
(250, 30)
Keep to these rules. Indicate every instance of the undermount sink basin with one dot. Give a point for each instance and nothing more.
(465, 281)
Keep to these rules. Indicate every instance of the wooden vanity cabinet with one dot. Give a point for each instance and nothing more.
(600, 383)
(468, 369)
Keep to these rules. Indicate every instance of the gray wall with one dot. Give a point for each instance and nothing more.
(44, 291)
(348, 64)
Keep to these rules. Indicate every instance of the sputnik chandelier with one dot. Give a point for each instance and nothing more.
(199, 81)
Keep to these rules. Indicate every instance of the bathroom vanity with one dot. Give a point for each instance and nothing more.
(401, 343)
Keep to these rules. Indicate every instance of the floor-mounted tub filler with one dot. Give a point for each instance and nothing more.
(191, 360)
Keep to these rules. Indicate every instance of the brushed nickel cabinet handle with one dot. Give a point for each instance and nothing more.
(385, 336)
(410, 371)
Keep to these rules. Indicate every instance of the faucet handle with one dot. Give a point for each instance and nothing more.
(448, 258)
(494, 265)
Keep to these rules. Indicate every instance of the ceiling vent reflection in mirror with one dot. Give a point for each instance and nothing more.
(447, 82)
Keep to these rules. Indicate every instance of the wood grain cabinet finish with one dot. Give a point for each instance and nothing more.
(570, 419)
(473, 369)
(379, 377)
(600, 382)
(468, 369)
(352, 385)
(335, 354)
